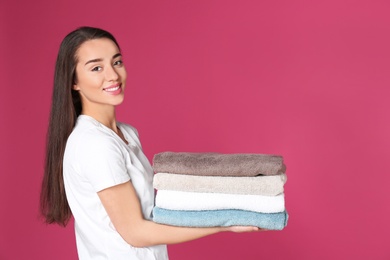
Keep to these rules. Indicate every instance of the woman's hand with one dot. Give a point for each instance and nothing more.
(242, 229)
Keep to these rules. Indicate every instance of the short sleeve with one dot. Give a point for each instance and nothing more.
(101, 161)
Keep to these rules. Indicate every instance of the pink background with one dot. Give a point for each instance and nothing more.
(305, 79)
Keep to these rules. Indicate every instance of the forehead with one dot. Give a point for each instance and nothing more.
(97, 49)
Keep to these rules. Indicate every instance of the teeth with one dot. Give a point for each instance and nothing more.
(112, 89)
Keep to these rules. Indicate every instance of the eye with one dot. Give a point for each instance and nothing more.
(118, 63)
(97, 68)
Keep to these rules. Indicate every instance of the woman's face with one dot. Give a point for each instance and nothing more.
(100, 75)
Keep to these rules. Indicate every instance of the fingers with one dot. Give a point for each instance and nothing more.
(241, 229)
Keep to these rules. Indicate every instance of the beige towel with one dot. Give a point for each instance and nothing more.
(260, 185)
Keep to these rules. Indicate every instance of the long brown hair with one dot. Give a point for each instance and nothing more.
(66, 107)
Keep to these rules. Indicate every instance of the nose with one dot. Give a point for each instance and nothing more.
(111, 74)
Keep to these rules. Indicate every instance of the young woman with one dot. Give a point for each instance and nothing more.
(95, 168)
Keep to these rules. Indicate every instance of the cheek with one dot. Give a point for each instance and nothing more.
(123, 74)
(89, 82)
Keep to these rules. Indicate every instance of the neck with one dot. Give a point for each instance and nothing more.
(105, 116)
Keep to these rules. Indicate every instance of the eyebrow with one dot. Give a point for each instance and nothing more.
(100, 59)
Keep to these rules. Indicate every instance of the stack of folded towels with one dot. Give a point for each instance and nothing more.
(213, 189)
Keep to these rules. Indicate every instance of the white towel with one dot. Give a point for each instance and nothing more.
(182, 200)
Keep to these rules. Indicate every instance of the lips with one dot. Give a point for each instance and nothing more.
(114, 89)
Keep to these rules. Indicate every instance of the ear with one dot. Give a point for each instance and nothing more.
(75, 87)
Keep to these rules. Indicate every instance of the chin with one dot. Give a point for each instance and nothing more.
(120, 101)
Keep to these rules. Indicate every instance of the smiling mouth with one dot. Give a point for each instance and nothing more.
(112, 88)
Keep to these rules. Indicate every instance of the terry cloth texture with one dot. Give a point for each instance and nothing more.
(183, 200)
(216, 164)
(260, 185)
(218, 218)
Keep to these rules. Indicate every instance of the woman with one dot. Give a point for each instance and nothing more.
(95, 169)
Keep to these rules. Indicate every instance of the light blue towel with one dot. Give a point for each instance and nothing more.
(220, 218)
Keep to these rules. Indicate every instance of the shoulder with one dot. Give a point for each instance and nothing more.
(88, 132)
(91, 136)
(128, 128)
(130, 132)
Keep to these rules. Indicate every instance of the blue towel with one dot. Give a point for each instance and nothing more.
(219, 218)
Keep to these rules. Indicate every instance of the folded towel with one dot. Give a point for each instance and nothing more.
(216, 164)
(183, 200)
(259, 185)
(219, 218)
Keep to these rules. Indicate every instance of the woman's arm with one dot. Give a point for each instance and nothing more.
(123, 207)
